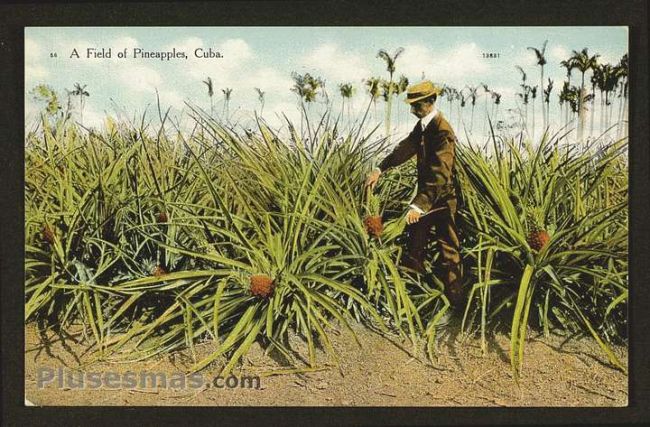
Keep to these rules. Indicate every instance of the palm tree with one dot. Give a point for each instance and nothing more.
(227, 92)
(208, 83)
(390, 67)
(260, 97)
(583, 62)
(472, 94)
(541, 61)
(547, 99)
(373, 87)
(496, 97)
(402, 85)
(306, 87)
(448, 92)
(486, 92)
(68, 106)
(572, 99)
(388, 90)
(568, 65)
(347, 91)
(596, 81)
(564, 100)
(611, 77)
(524, 95)
(461, 107)
(81, 92)
(622, 71)
(533, 95)
(601, 79)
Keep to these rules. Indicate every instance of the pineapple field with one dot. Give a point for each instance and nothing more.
(150, 241)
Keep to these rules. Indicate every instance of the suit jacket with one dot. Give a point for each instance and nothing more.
(435, 148)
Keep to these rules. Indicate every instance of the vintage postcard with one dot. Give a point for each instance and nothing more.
(326, 216)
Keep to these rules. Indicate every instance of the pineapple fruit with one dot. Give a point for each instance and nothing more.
(372, 221)
(538, 236)
(261, 285)
(162, 217)
(158, 271)
(48, 234)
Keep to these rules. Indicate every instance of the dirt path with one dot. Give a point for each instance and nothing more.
(557, 372)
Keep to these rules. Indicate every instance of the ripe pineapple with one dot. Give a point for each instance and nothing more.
(162, 217)
(158, 271)
(261, 285)
(538, 237)
(372, 221)
(48, 234)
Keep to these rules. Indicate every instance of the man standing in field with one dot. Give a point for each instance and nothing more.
(434, 206)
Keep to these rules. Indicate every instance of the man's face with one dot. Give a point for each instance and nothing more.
(421, 108)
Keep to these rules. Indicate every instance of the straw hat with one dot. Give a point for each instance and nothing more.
(420, 91)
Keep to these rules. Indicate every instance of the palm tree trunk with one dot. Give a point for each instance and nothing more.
(533, 135)
(541, 87)
(611, 110)
(486, 114)
(619, 132)
(626, 104)
(389, 104)
(471, 126)
(593, 108)
(581, 112)
(81, 109)
(526, 118)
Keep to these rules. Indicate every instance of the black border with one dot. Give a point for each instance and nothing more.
(13, 19)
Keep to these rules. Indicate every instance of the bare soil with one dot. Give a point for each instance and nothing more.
(558, 371)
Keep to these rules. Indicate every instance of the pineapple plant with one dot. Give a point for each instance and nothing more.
(538, 236)
(261, 285)
(372, 221)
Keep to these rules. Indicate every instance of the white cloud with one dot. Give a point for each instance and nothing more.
(236, 53)
(558, 53)
(188, 45)
(268, 80)
(124, 42)
(528, 59)
(171, 99)
(454, 66)
(335, 64)
(139, 78)
(507, 93)
(34, 73)
(33, 51)
(92, 118)
(608, 57)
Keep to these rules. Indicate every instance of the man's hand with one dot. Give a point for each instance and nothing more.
(373, 177)
(413, 216)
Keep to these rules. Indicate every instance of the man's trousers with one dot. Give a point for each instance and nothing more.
(439, 225)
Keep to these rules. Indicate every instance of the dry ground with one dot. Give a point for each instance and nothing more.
(558, 371)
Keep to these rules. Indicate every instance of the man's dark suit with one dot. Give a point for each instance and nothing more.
(435, 149)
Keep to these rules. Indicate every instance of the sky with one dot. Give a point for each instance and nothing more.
(265, 57)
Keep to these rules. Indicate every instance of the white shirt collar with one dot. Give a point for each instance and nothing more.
(424, 121)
